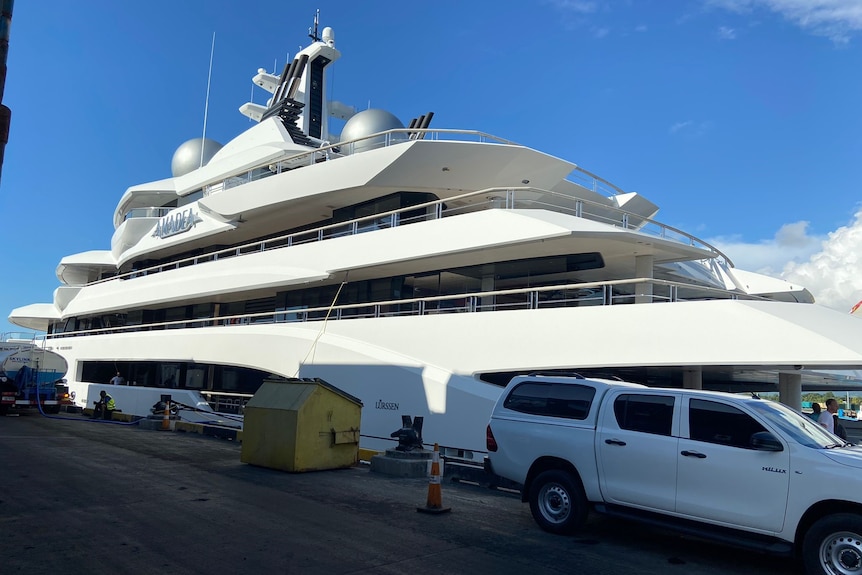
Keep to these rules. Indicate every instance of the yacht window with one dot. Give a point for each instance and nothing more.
(176, 314)
(190, 198)
(261, 306)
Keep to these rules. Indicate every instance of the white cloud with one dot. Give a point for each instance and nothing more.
(680, 126)
(726, 33)
(790, 243)
(578, 6)
(834, 274)
(641, 28)
(834, 19)
(579, 14)
(601, 32)
(690, 129)
(829, 266)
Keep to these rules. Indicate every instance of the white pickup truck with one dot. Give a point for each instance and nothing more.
(743, 470)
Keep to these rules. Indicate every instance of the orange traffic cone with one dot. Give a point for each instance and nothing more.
(166, 419)
(435, 497)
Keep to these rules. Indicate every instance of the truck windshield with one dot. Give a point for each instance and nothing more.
(803, 429)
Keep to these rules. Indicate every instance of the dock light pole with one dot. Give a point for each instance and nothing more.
(5, 112)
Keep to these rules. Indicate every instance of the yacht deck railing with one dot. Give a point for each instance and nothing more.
(22, 337)
(291, 161)
(491, 198)
(617, 292)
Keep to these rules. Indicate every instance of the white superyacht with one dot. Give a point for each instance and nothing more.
(415, 268)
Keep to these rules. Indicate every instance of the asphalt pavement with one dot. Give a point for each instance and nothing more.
(101, 498)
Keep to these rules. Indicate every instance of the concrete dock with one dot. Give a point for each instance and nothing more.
(101, 498)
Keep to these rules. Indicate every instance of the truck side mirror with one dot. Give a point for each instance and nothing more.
(765, 441)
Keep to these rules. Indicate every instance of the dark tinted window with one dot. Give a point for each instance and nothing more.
(647, 413)
(719, 423)
(571, 401)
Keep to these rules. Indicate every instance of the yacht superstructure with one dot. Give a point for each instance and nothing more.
(416, 268)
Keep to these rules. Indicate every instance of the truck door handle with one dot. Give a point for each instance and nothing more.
(693, 454)
(614, 442)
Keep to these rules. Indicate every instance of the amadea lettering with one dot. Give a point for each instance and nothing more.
(176, 223)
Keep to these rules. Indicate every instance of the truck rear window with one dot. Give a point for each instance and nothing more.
(570, 401)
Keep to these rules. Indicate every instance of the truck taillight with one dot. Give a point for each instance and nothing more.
(490, 442)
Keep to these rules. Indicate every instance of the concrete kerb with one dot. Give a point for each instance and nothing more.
(365, 455)
(155, 423)
(228, 433)
(115, 416)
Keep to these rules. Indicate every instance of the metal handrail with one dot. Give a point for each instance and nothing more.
(22, 337)
(226, 402)
(590, 293)
(291, 160)
(510, 200)
(151, 212)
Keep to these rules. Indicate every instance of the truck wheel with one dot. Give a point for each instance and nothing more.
(558, 502)
(833, 545)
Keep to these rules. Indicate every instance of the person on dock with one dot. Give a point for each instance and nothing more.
(104, 408)
(839, 429)
(826, 419)
(815, 412)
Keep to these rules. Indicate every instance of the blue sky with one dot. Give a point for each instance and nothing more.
(741, 119)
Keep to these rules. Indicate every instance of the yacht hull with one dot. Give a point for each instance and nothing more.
(430, 365)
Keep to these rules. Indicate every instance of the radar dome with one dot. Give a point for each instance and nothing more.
(369, 122)
(188, 156)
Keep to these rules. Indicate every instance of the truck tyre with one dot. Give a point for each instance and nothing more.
(833, 545)
(558, 502)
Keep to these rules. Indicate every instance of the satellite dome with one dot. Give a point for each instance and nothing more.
(188, 156)
(369, 122)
